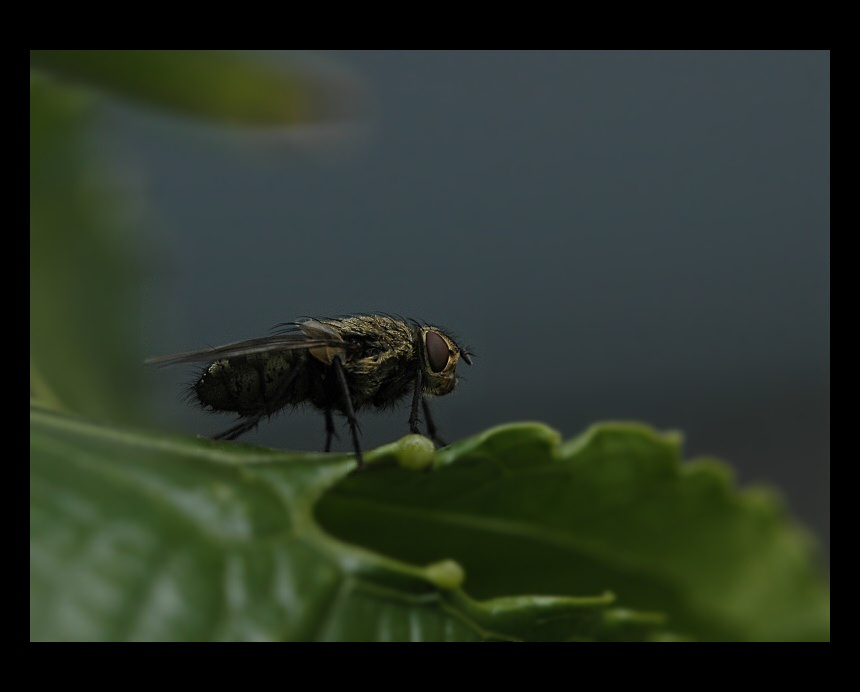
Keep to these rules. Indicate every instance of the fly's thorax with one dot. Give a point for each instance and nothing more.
(249, 384)
(372, 344)
(439, 357)
(379, 360)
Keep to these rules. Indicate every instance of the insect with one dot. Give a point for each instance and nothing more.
(337, 365)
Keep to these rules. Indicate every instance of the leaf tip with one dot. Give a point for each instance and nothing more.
(446, 574)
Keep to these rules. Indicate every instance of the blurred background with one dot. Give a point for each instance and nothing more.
(618, 236)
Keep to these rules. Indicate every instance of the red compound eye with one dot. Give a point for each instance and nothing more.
(437, 352)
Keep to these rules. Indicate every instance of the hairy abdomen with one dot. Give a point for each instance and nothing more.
(261, 383)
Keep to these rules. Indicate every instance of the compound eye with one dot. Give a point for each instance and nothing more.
(437, 352)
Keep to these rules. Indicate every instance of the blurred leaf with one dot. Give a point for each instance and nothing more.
(148, 537)
(83, 283)
(227, 87)
(613, 510)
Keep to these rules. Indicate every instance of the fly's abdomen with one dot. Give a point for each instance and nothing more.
(249, 385)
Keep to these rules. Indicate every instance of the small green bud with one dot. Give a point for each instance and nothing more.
(414, 452)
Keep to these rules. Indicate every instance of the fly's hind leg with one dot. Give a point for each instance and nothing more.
(348, 409)
(274, 402)
(240, 428)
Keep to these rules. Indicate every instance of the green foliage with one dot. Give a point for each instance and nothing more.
(611, 510)
(82, 276)
(136, 536)
(510, 534)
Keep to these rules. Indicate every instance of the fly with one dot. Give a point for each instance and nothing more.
(336, 365)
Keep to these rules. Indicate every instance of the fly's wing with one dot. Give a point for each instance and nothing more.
(327, 340)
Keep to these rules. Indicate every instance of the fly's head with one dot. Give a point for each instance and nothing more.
(439, 358)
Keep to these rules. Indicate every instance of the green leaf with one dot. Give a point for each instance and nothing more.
(226, 87)
(136, 536)
(611, 510)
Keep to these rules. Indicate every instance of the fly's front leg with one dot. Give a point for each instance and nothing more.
(431, 426)
(416, 399)
(348, 409)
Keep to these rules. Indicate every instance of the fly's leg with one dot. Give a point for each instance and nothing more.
(348, 409)
(330, 432)
(431, 426)
(416, 398)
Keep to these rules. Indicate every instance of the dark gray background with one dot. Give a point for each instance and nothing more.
(622, 236)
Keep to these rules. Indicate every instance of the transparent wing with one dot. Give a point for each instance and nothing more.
(299, 335)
